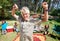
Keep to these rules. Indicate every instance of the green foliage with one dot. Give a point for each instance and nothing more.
(39, 9)
(55, 12)
(18, 12)
(6, 7)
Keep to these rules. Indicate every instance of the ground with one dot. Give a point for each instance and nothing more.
(11, 35)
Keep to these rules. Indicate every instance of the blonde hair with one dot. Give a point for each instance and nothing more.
(25, 10)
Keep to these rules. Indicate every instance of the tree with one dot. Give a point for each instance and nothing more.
(6, 6)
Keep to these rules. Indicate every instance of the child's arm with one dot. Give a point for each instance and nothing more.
(36, 23)
(15, 7)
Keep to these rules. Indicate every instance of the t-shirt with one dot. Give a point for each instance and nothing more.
(26, 27)
(4, 26)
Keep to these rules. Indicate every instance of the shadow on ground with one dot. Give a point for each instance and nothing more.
(52, 36)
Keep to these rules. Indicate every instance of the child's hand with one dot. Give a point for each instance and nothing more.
(45, 5)
(15, 6)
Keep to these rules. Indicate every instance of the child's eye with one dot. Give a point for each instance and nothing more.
(24, 14)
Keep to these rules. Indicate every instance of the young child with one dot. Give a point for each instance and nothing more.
(26, 26)
(46, 29)
(15, 27)
(4, 25)
(26, 23)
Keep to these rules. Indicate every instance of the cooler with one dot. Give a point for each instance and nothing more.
(10, 29)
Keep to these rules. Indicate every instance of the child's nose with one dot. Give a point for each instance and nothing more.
(25, 16)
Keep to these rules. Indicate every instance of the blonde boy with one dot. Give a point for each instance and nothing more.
(26, 26)
(26, 22)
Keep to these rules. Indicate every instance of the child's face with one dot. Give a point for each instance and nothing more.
(25, 16)
(25, 13)
(3, 21)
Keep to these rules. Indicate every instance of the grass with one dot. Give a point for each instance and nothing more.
(51, 39)
(10, 36)
(51, 25)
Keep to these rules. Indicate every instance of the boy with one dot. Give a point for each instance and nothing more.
(26, 26)
(26, 23)
(4, 25)
(15, 27)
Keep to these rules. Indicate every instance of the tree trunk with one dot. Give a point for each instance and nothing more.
(2, 13)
